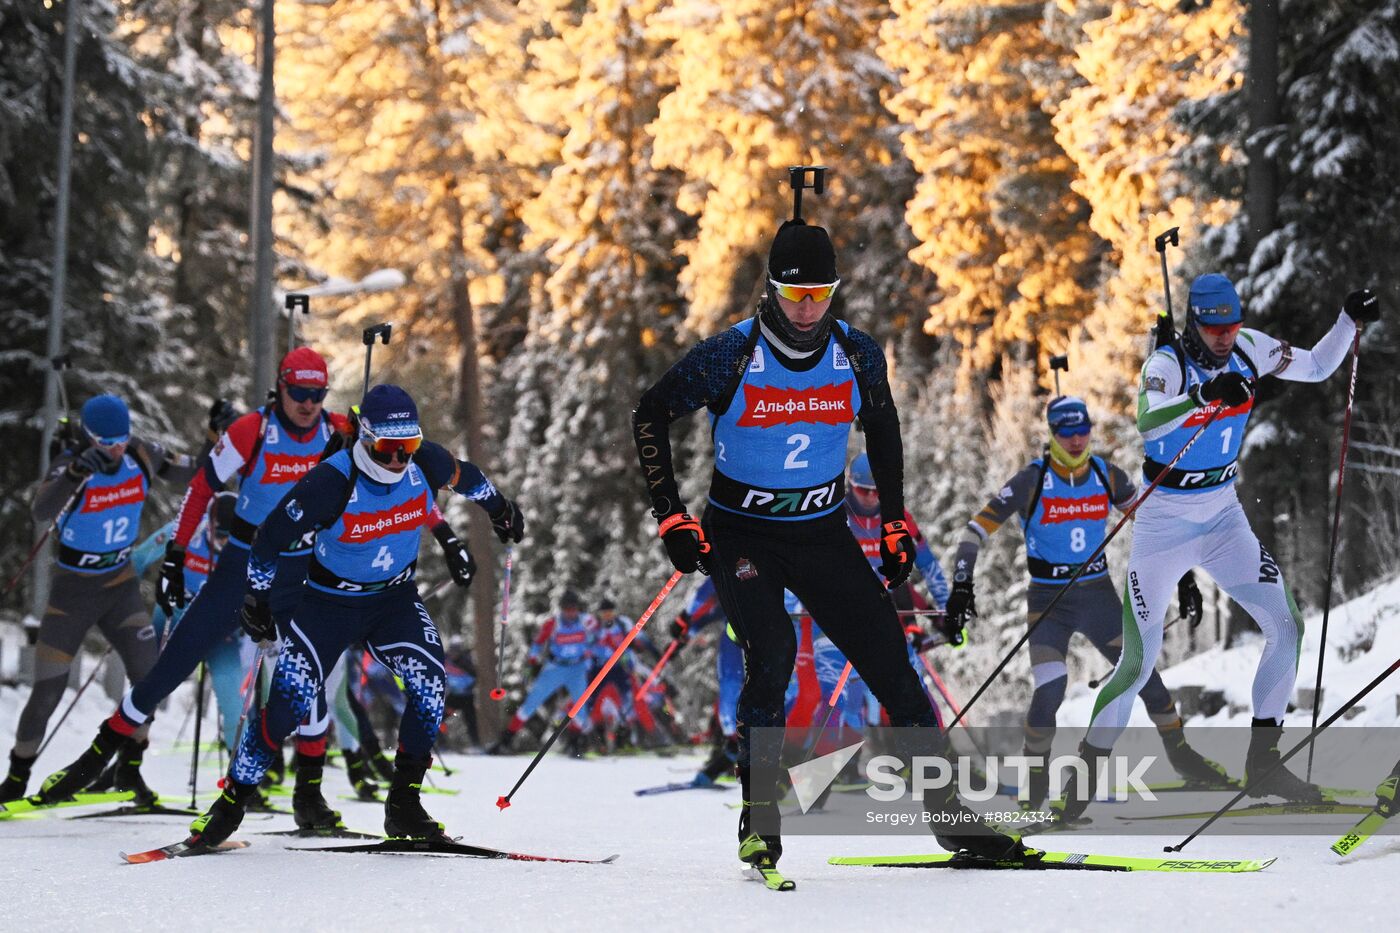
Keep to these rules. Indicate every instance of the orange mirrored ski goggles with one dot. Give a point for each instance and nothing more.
(1219, 330)
(387, 449)
(798, 292)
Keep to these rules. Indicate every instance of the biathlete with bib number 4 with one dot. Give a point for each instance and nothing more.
(364, 509)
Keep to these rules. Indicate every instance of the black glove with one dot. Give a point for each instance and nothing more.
(508, 523)
(1363, 306)
(221, 415)
(897, 552)
(680, 627)
(170, 589)
(1230, 388)
(90, 461)
(961, 609)
(1188, 599)
(459, 559)
(685, 542)
(256, 619)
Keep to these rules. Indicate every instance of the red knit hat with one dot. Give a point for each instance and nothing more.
(302, 367)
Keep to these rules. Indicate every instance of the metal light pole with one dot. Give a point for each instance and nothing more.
(260, 311)
(60, 278)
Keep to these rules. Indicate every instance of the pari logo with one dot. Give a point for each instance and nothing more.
(768, 406)
(367, 526)
(1088, 509)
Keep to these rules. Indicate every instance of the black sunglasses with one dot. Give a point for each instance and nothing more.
(306, 394)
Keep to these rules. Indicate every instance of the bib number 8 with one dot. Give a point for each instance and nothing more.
(1076, 540)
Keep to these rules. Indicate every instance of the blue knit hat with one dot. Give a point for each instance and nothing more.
(1068, 415)
(389, 411)
(1214, 301)
(107, 419)
(859, 472)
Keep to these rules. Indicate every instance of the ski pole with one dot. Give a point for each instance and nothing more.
(77, 696)
(1308, 740)
(830, 709)
(498, 692)
(503, 802)
(198, 722)
(249, 689)
(38, 545)
(382, 332)
(1336, 529)
(1165, 332)
(1069, 584)
(295, 303)
(947, 695)
(656, 671)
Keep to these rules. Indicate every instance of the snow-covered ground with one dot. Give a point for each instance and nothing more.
(677, 868)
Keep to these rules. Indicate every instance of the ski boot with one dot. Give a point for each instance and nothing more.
(83, 770)
(309, 807)
(1385, 794)
(723, 761)
(360, 775)
(960, 829)
(759, 849)
(576, 742)
(1079, 793)
(13, 787)
(1189, 764)
(225, 815)
(1264, 759)
(404, 816)
(502, 744)
(1037, 786)
(382, 764)
(126, 772)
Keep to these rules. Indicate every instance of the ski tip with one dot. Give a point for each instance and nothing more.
(609, 860)
(502, 803)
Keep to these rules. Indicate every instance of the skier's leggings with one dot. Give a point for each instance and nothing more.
(1094, 610)
(208, 620)
(751, 562)
(78, 601)
(398, 631)
(1172, 534)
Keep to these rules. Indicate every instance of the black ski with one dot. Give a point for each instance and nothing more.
(339, 832)
(437, 847)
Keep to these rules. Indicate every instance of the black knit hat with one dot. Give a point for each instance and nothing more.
(801, 254)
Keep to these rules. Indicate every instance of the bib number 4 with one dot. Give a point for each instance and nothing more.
(383, 560)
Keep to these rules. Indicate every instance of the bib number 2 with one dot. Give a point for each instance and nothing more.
(798, 443)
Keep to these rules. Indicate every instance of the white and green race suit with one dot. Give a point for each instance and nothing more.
(1194, 519)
